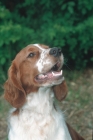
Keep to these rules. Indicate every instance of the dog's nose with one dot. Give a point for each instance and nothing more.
(55, 52)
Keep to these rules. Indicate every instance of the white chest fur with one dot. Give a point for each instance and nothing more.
(38, 119)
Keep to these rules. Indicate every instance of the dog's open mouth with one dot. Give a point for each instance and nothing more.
(53, 73)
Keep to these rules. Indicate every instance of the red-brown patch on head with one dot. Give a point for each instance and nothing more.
(26, 64)
(21, 77)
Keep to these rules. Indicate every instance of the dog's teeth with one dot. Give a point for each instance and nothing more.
(57, 73)
(42, 76)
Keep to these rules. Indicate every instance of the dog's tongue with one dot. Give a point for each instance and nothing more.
(50, 75)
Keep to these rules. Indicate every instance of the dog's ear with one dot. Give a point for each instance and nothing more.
(74, 134)
(60, 91)
(13, 91)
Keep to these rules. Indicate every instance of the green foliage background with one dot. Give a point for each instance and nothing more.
(67, 24)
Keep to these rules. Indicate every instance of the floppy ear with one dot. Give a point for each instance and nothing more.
(14, 93)
(74, 134)
(60, 91)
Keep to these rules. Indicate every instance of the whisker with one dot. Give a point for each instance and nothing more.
(65, 63)
(67, 66)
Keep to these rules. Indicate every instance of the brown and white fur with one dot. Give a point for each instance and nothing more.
(34, 79)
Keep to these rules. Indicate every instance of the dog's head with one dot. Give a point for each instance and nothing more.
(35, 66)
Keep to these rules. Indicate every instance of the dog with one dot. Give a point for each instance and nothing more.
(34, 80)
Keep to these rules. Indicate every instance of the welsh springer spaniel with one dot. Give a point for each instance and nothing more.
(34, 78)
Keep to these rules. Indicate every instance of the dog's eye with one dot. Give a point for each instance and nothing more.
(31, 55)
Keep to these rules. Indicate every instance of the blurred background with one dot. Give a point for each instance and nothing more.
(67, 24)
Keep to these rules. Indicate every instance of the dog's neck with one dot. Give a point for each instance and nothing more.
(40, 101)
